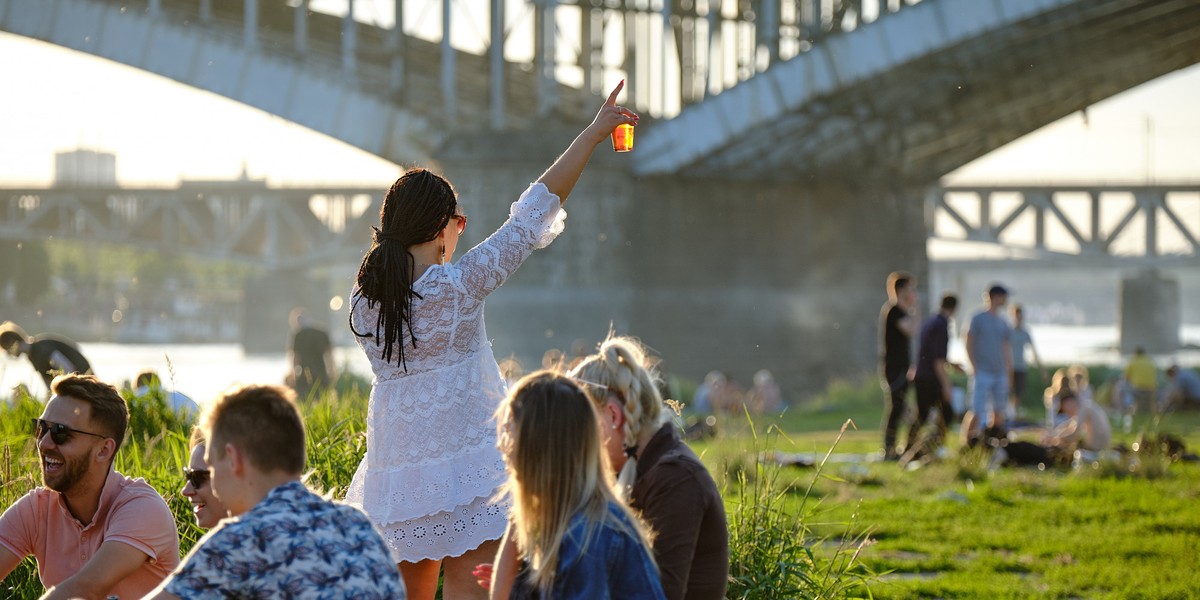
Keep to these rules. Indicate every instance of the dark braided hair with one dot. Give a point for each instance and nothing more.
(416, 208)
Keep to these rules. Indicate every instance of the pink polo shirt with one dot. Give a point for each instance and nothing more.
(130, 512)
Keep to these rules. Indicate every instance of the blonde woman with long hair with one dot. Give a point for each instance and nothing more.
(574, 536)
(659, 475)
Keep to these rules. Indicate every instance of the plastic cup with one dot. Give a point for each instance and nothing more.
(622, 138)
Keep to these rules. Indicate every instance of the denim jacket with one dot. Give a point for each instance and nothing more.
(613, 565)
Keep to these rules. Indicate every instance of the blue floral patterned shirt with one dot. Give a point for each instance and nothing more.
(292, 544)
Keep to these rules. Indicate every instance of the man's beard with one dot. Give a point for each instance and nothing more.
(69, 474)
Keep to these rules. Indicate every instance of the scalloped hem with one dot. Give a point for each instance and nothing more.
(447, 534)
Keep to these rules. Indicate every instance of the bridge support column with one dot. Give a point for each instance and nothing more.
(269, 299)
(1151, 313)
(712, 273)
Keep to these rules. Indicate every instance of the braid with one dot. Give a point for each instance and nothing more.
(416, 208)
(640, 399)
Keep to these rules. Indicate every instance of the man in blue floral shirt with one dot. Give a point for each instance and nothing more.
(283, 540)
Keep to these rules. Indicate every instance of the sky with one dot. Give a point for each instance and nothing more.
(57, 99)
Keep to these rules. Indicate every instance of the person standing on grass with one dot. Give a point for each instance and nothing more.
(1018, 340)
(990, 354)
(932, 379)
(1142, 376)
(897, 323)
(432, 471)
(93, 531)
(283, 541)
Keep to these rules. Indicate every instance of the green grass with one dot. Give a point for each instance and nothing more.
(844, 531)
(1095, 532)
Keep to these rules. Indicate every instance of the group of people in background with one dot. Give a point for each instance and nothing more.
(563, 485)
(996, 349)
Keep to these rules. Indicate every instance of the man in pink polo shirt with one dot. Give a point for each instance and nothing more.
(93, 531)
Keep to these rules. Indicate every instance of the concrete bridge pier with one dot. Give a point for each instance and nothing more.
(711, 274)
(268, 301)
(1151, 314)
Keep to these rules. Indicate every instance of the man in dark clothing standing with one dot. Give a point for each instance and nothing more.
(932, 380)
(312, 357)
(50, 354)
(897, 325)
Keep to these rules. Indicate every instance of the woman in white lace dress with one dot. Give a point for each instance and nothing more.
(432, 469)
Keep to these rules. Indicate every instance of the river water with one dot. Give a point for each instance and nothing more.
(203, 370)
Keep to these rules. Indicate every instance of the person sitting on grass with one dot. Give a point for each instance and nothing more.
(94, 531)
(575, 537)
(197, 487)
(658, 474)
(1060, 384)
(1086, 426)
(283, 541)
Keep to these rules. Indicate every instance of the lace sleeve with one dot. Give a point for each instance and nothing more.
(533, 222)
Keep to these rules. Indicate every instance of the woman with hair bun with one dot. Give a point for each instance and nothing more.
(432, 470)
(659, 475)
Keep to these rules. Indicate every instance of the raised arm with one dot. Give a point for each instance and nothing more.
(560, 178)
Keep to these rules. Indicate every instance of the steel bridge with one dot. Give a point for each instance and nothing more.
(755, 89)
(286, 228)
(1072, 226)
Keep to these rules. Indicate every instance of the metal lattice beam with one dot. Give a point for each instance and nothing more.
(1169, 225)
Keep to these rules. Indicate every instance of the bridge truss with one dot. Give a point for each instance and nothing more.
(1109, 225)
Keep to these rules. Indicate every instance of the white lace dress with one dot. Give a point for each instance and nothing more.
(432, 467)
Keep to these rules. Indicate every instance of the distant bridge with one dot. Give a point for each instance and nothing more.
(288, 228)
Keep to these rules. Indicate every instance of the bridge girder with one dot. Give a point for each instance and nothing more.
(917, 95)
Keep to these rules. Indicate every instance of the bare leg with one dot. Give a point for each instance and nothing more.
(459, 581)
(421, 578)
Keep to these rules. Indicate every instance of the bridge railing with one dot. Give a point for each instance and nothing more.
(671, 53)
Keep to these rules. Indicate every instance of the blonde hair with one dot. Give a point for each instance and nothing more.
(620, 369)
(549, 433)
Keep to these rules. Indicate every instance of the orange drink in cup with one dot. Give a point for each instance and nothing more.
(622, 138)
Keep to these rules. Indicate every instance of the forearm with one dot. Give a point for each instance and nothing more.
(939, 368)
(562, 176)
(505, 568)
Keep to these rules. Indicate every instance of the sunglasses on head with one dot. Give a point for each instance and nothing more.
(58, 432)
(196, 477)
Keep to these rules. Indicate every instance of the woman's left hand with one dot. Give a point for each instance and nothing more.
(611, 115)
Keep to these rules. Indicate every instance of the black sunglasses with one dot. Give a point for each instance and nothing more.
(196, 477)
(58, 432)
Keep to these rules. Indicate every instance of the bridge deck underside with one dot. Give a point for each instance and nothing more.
(925, 119)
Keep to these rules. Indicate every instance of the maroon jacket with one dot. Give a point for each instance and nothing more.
(678, 499)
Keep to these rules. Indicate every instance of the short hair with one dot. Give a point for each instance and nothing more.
(949, 302)
(1018, 309)
(899, 280)
(260, 420)
(108, 407)
(148, 378)
(11, 335)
